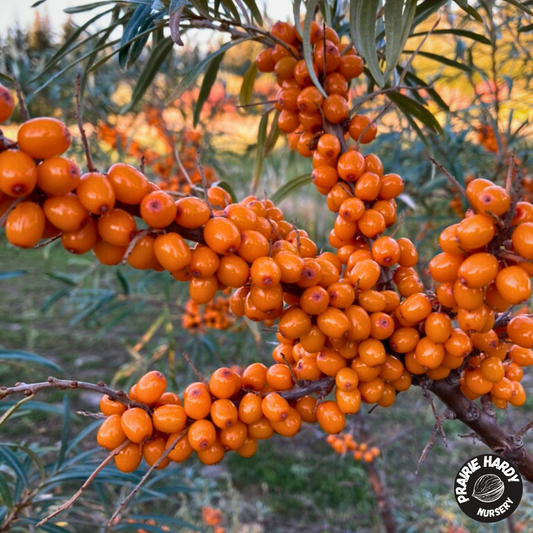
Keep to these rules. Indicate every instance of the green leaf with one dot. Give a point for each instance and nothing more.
(426, 9)
(12, 274)
(65, 430)
(412, 108)
(5, 492)
(296, 16)
(465, 6)
(153, 64)
(273, 134)
(442, 59)
(365, 26)
(307, 47)
(247, 87)
(189, 77)
(290, 187)
(19, 355)
(87, 7)
(228, 188)
(393, 13)
(416, 81)
(455, 31)
(13, 408)
(255, 11)
(529, 27)
(11, 460)
(5, 77)
(49, 528)
(209, 80)
(520, 6)
(260, 152)
(421, 135)
(32, 455)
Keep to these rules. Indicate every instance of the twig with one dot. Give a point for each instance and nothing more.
(438, 421)
(254, 104)
(142, 163)
(244, 12)
(522, 431)
(29, 389)
(84, 487)
(79, 118)
(199, 375)
(130, 496)
(451, 178)
(14, 204)
(386, 107)
(142, 233)
(89, 414)
(22, 106)
(204, 180)
(47, 242)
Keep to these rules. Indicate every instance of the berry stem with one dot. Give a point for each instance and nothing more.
(79, 119)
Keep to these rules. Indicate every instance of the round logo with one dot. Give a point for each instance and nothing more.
(488, 488)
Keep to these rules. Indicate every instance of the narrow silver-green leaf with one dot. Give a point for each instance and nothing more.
(456, 31)
(13, 408)
(393, 13)
(412, 108)
(247, 87)
(366, 28)
(19, 355)
(520, 6)
(442, 59)
(291, 186)
(12, 274)
(255, 11)
(209, 80)
(307, 46)
(465, 6)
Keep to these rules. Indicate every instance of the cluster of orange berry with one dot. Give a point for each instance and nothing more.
(213, 518)
(345, 443)
(214, 315)
(484, 269)
(486, 136)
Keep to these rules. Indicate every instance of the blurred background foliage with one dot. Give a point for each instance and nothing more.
(471, 84)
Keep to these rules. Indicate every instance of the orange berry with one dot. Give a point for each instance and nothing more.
(224, 413)
(493, 200)
(351, 66)
(110, 407)
(150, 387)
(264, 61)
(492, 369)
(404, 340)
(158, 209)
(279, 377)
(329, 362)
(478, 270)
(261, 430)
(372, 223)
(130, 185)
(362, 129)
(333, 322)
(168, 398)
(202, 435)
(197, 401)
(58, 176)
(476, 383)
(326, 56)
(66, 212)
(117, 227)
(476, 231)
(445, 267)
(222, 235)
(142, 257)
(254, 376)
(335, 108)
(330, 418)
(514, 284)
(386, 251)
(290, 425)
(182, 450)
(110, 434)
(224, 383)
(95, 193)
(250, 408)
(520, 331)
(169, 418)
(429, 353)
(274, 407)
(129, 458)
(415, 308)
(172, 252)
(43, 137)
(248, 448)
(153, 451)
(438, 327)
(25, 225)
(372, 352)
(351, 165)
(7, 103)
(191, 212)
(18, 173)
(137, 424)
(522, 240)
(233, 271)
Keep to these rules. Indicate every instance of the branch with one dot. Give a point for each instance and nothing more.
(22, 106)
(451, 178)
(79, 118)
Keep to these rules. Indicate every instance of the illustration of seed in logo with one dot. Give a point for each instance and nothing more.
(488, 488)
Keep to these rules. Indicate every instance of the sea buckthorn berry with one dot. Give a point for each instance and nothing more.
(250, 408)
(158, 209)
(96, 193)
(404, 340)
(137, 424)
(288, 121)
(307, 368)
(458, 344)
(493, 200)
(284, 68)
(25, 225)
(224, 414)
(129, 458)
(372, 301)
(449, 241)
(329, 145)
(514, 372)
(288, 99)
(503, 389)
(182, 449)
(476, 382)
(218, 197)
(438, 327)
(18, 173)
(172, 252)
(150, 387)
(347, 379)
(204, 262)
(351, 165)
(372, 223)
(492, 369)
(222, 235)
(169, 418)
(330, 418)
(306, 408)
(352, 209)
(362, 129)
(429, 353)
(66, 212)
(392, 369)
(168, 398)
(153, 452)
(372, 391)
(248, 449)
(521, 356)
(445, 267)
(235, 436)
(391, 186)
(330, 362)
(267, 299)
(478, 270)
(202, 435)
(392, 299)
(523, 213)
(335, 108)
(110, 434)
(365, 275)
(341, 295)
(290, 426)
(81, 241)
(110, 407)
(253, 245)
(519, 395)
(197, 401)
(243, 217)
(58, 175)
(117, 227)
(275, 407)
(324, 177)
(233, 271)
(192, 212)
(367, 187)
(44, 137)
(474, 188)
(254, 376)
(445, 295)
(476, 231)
(522, 240)
(514, 284)
(261, 430)
(7, 103)
(388, 397)
(387, 209)
(326, 56)
(412, 365)
(351, 66)
(279, 377)
(130, 185)
(386, 251)
(264, 61)
(314, 300)
(265, 272)
(466, 298)
(310, 99)
(474, 321)
(224, 383)
(382, 325)
(333, 322)
(520, 331)
(372, 352)
(408, 253)
(142, 256)
(314, 340)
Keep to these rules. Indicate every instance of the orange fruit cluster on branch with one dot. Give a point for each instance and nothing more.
(215, 314)
(357, 322)
(345, 443)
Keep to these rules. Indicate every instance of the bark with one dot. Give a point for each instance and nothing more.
(382, 497)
